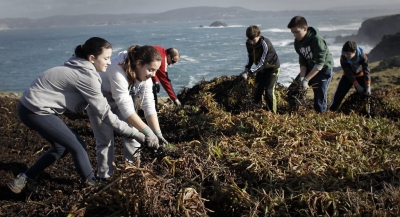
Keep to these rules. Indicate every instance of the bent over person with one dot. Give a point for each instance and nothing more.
(169, 57)
(356, 73)
(74, 86)
(263, 55)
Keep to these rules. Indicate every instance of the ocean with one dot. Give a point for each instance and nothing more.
(206, 52)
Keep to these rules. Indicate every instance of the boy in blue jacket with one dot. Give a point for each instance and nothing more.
(356, 73)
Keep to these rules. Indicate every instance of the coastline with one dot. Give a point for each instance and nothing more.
(16, 95)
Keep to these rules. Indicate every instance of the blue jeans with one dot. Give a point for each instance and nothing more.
(63, 141)
(320, 83)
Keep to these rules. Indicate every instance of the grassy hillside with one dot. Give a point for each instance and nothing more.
(227, 157)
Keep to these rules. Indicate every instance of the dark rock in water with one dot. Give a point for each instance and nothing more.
(218, 24)
(388, 47)
(372, 30)
(201, 26)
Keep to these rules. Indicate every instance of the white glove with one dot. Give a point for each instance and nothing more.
(359, 88)
(367, 89)
(151, 140)
(244, 75)
(139, 137)
(163, 141)
(304, 83)
(177, 103)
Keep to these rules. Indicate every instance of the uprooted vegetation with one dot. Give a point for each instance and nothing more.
(227, 157)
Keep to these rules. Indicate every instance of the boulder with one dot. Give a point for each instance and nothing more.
(388, 63)
(218, 24)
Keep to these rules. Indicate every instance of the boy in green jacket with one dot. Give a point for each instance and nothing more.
(315, 61)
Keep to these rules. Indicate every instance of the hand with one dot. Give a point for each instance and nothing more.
(367, 90)
(304, 83)
(177, 103)
(163, 142)
(138, 136)
(151, 139)
(359, 88)
(157, 87)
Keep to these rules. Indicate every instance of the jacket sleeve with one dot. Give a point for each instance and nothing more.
(365, 67)
(90, 88)
(249, 60)
(162, 76)
(347, 70)
(148, 104)
(319, 50)
(120, 92)
(263, 57)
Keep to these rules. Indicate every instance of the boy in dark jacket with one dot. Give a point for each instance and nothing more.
(315, 61)
(356, 73)
(262, 54)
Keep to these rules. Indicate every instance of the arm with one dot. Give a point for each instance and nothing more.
(347, 71)
(166, 83)
(319, 51)
(263, 56)
(367, 73)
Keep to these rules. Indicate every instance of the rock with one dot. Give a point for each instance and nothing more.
(372, 30)
(388, 47)
(388, 63)
(201, 26)
(218, 24)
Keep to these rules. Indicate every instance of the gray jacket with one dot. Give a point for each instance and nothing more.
(72, 87)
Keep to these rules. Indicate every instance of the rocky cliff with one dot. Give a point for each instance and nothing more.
(388, 47)
(372, 30)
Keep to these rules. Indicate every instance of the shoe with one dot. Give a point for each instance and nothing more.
(17, 184)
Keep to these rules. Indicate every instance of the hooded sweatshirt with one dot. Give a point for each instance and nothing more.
(263, 54)
(356, 67)
(115, 84)
(72, 87)
(313, 51)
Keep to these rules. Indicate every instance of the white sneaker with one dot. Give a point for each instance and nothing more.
(17, 184)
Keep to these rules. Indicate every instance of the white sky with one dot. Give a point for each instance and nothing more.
(44, 8)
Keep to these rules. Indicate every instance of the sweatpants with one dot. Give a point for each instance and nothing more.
(342, 89)
(266, 81)
(105, 144)
(319, 84)
(63, 141)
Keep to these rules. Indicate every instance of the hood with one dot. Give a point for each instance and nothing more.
(120, 57)
(311, 33)
(79, 64)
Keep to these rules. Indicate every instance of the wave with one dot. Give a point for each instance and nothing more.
(351, 26)
(218, 27)
(276, 30)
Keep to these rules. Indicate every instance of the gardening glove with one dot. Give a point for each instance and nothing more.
(304, 83)
(156, 87)
(138, 136)
(163, 142)
(359, 88)
(244, 75)
(367, 90)
(151, 139)
(177, 103)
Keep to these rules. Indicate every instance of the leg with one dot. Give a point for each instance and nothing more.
(341, 91)
(321, 82)
(270, 98)
(261, 82)
(104, 135)
(131, 149)
(53, 129)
